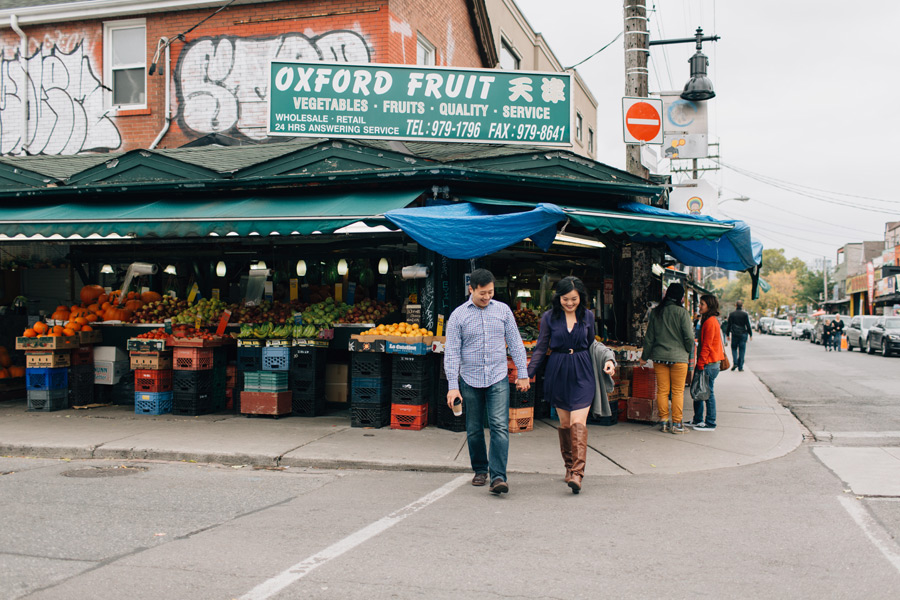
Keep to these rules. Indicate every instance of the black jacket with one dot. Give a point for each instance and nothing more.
(738, 322)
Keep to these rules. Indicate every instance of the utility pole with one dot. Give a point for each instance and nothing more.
(634, 271)
(824, 278)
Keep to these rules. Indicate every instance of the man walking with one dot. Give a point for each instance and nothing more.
(478, 334)
(738, 329)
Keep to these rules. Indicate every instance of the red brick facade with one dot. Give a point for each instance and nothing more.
(219, 78)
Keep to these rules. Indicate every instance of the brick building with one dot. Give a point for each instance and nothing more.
(97, 70)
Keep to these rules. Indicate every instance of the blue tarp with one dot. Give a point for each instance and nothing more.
(466, 230)
(734, 251)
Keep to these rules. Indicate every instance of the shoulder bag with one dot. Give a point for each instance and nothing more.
(724, 364)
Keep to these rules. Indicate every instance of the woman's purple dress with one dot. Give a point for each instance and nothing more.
(569, 377)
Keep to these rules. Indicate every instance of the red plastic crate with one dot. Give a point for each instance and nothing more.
(192, 359)
(521, 419)
(512, 372)
(147, 380)
(83, 355)
(408, 416)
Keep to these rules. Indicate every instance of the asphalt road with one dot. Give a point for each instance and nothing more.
(793, 527)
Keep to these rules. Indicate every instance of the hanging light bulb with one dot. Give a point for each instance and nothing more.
(221, 268)
(301, 268)
(260, 264)
(170, 270)
(383, 266)
(342, 267)
(106, 269)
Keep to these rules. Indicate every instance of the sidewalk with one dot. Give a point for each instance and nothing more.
(752, 427)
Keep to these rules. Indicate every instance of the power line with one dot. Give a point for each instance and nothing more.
(597, 52)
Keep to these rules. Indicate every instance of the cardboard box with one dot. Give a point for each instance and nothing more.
(407, 348)
(109, 354)
(366, 343)
(109, 372)
(337, 387)
(47, 343)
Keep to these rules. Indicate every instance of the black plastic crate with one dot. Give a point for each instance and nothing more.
(447, 420)
(48, 400)
(375, 417)
(612, 419)
(81, 394)
(81, 376)
(410, 367)
(196, 382)
(308, 358)
(370, 364)
(519, 399)
(307, 387)
(414, 397)
(308, 405)
(370, 395)
(191, 403)
(122, 393)
(249, 359)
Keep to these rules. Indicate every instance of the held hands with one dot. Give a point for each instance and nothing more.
(523, 384)
(643, 362)
(610, 367)
(451, 396)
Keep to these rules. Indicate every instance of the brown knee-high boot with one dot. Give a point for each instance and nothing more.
(579, 455)
(565, 448)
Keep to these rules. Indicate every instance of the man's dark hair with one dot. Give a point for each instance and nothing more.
(480, 278)
(739, 304)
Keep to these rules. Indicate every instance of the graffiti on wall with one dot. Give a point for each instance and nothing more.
(65, 104)
(222, 83)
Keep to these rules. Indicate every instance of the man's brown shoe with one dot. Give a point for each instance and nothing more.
(498, 486)
(480, 479)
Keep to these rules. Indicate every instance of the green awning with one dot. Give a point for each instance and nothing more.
(199, 218)
(669, 227)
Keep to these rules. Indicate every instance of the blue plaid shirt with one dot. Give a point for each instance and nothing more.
(477, 340)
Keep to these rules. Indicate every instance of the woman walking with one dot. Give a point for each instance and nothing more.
(568, 330)
(709, 352)
(668, 343)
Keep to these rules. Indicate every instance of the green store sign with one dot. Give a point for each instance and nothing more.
(416, 103)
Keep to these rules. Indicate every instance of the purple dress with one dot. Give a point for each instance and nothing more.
(569, 378)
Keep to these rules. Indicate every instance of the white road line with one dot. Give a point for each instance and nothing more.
(272, 586)
(873, 530)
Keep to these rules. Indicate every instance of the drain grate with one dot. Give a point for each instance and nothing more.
(96, 472)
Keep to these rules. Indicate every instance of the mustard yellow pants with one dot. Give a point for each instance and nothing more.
(670, 378)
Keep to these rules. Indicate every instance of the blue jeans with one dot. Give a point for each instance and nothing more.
(496, 397)
(712, 371)
(738, 349)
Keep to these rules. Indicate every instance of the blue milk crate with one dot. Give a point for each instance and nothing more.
(47, 379)
(152, 403)
(276, 359)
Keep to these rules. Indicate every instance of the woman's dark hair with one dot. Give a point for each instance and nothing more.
(674, 295)
(712, 305)
(480, 278)
(566, 285)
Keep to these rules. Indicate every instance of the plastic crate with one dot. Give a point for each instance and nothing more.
(307, 358)
(249, 359)
(521, 420)
(610, 420)
(375, 417)
(308, 387)
(370, 364)
(404, 416)
(266, 381)
(48, 400)
(191, 403)
(447, 420)
(83, 355)
(151, 360)
(413, 397)
(149, 380)
(406, 367)
(370, 395)
(192, 359)
(122, 393)
(152, 403)
(192, 382)
(81, 395)
(47, 379)
(307, 405)
(276, 359)
(519, 399)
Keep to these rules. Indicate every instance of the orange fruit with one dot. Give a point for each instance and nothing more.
(81, 320)
(58, 329)
(68, 332)
(87, 328)
(91, 318)
(53, 334)
(30, 333)
(72, 325)
(40, 327)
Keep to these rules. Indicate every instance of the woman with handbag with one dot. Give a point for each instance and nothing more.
(668, 343)
(710, 352)
(568, 330)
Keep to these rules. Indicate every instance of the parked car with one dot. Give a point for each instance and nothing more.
(858, 331)
(801, 331)
(764, 324)
(884, 335)
(780, 327)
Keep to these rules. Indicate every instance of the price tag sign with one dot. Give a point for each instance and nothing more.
(193, 293)
(167, 325)
(223, 321)
(293, 289)
(351, 292)
(381, 294)
(215, 293)
(269, 290)
(339, 292)
(440, 326)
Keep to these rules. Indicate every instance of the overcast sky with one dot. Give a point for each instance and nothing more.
(806, 95)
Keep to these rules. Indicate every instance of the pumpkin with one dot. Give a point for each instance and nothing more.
(4, 374)
(60, 315)
(16, 371)
(133, 304)
(40, 327)
(30, 333)
(78, 311)
(5, 360)
(148, 297)
(117, 314)
(90, 293)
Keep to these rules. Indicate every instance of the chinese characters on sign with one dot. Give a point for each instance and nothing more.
(424, 104)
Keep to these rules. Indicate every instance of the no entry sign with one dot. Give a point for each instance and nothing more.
(642, 120)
